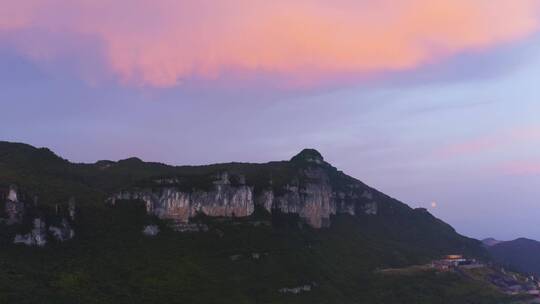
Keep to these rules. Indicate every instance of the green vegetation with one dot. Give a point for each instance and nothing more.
(236, 261)
(111, 262)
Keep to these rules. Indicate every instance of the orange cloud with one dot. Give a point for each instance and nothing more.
(163, 42)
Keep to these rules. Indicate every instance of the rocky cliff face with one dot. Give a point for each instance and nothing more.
(169, 202)
(313, 199)
(13, 208)
(311, 193)
(12, 195)
(39, 235)
(36, 237)
(16, 212)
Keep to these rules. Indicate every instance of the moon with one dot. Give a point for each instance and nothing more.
(433, 204)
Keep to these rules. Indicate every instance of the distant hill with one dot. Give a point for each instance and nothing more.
(521, 254)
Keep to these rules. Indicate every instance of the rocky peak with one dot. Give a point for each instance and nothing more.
(309, 155)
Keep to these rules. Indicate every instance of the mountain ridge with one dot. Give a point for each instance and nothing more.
(307, 158)
(309, 224)
(305, 185)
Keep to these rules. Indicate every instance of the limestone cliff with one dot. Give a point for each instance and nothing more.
(36, 237)
(312, 199)
(13, 208)
(312, 189)
(317, 192)
(58, 225)
(169, 202)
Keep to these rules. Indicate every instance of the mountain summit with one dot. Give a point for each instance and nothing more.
(308, 155)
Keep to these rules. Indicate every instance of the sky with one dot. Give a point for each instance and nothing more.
(434, 102)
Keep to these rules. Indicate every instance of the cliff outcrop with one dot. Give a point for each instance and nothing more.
(18, 213)
(170, 202)
(313, 190)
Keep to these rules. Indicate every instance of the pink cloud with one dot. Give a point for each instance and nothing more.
(500, 140)
(471, 146)
(521, 168)
(304, 42)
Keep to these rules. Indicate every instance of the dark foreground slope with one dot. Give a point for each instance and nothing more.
(238, 260)
(232, 263)
(521, 255)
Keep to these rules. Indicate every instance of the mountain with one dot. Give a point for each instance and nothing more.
(306, 187)
(521, 254)
(295, 231)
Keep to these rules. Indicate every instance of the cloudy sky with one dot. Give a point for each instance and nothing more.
(435, 102)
